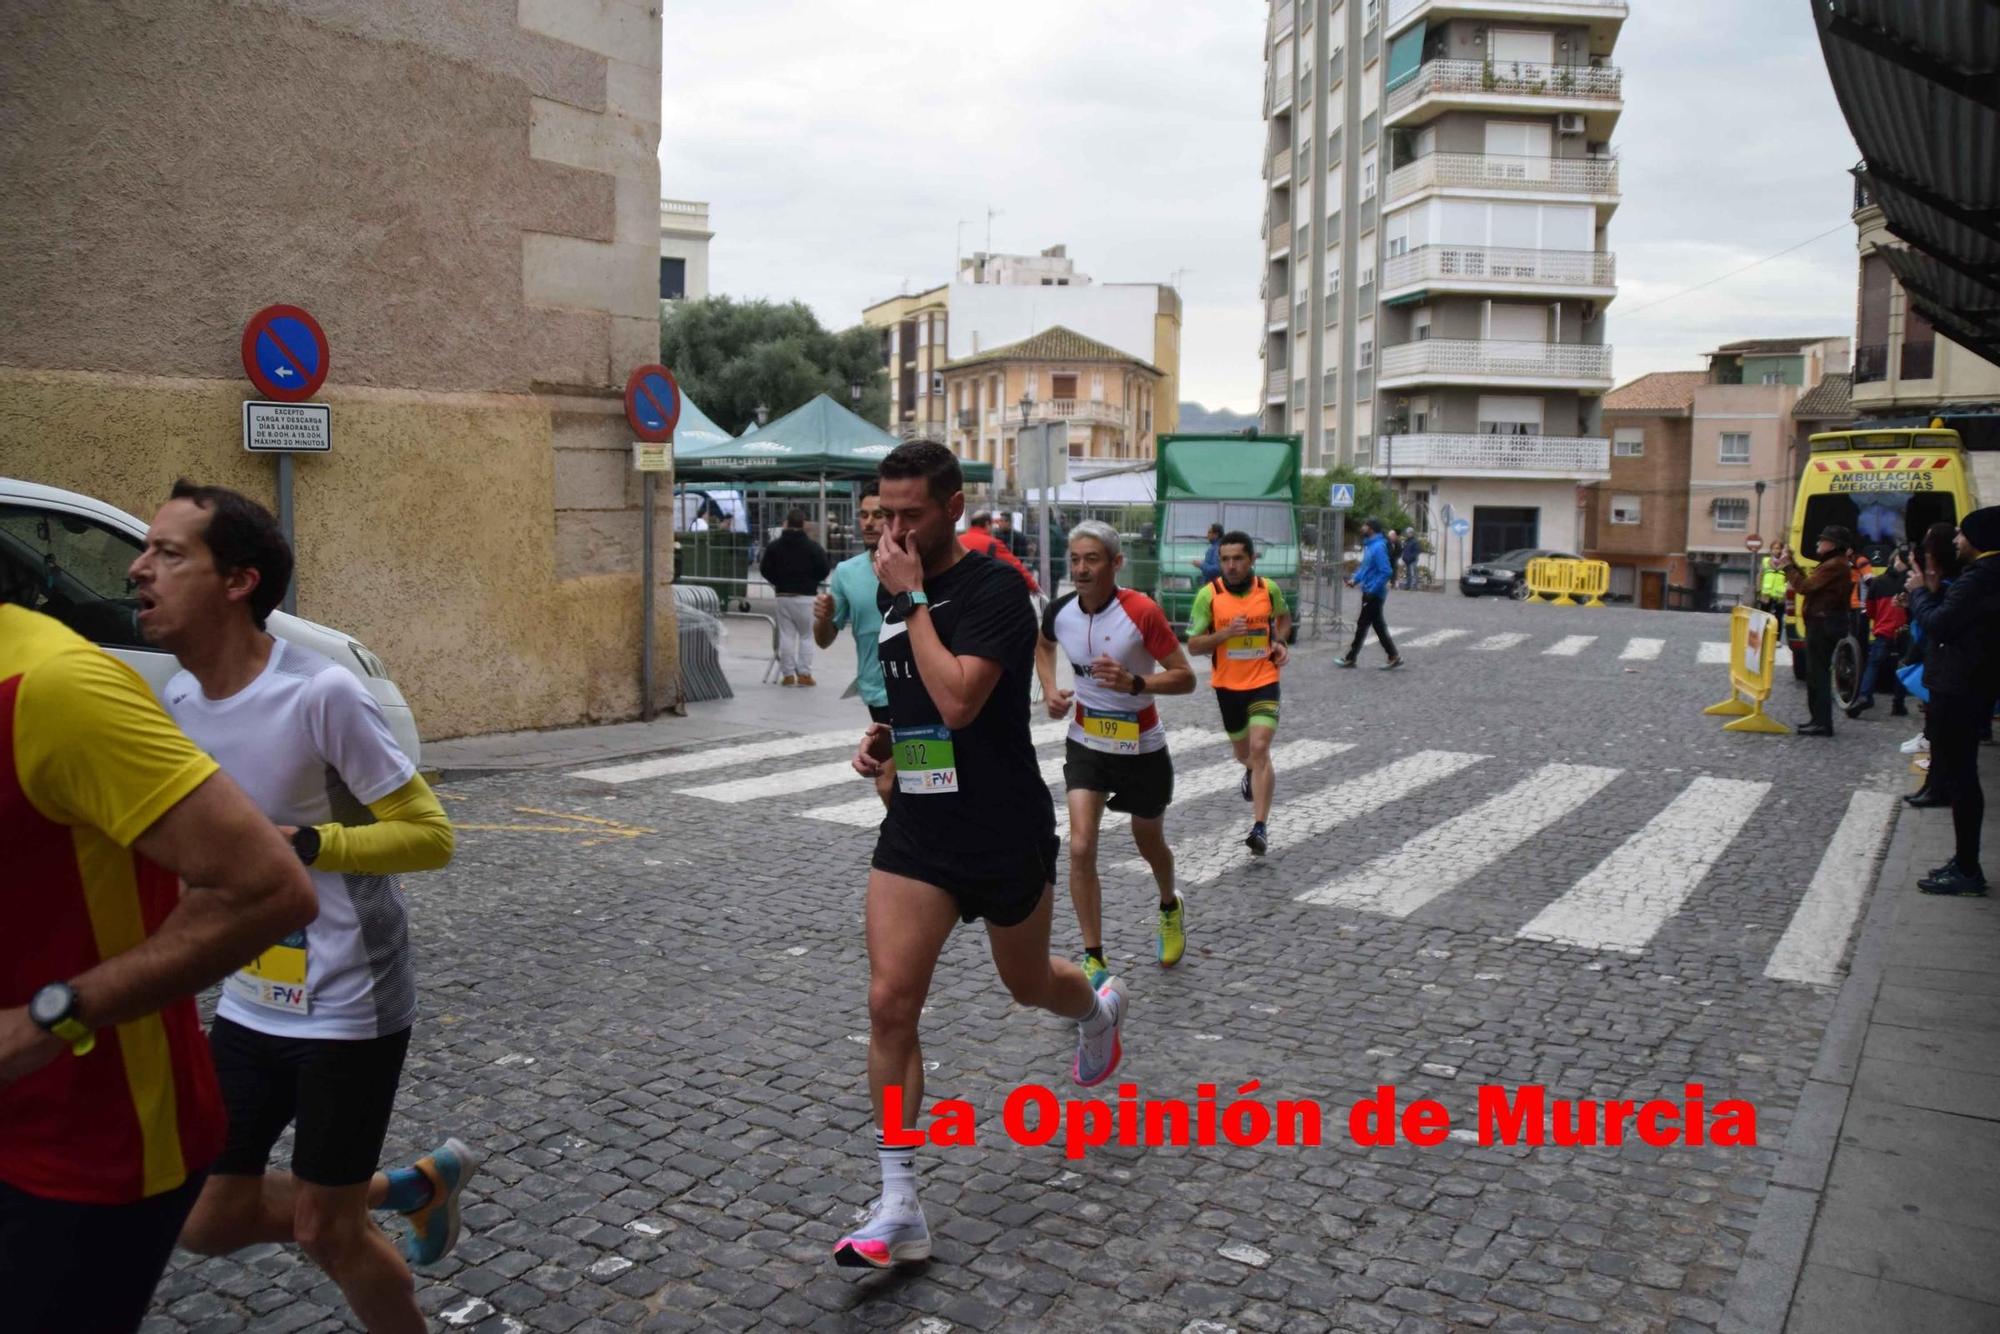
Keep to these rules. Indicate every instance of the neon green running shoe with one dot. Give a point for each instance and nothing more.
(1095, 972)
(1173, 933)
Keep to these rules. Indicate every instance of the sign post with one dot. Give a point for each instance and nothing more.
(652, 409)
(1339, 499)
(1459, 528)
(1041, 454)
(285, 354)
(1754, 544)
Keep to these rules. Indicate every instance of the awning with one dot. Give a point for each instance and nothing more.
(1406, 54)
(1919, 84)
(821, 439)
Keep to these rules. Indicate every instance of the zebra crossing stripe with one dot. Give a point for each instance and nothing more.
(1631, 893)
(1816, 937)
(1435, 638)
(1642, 650)
(1296, 820)
(1569, 646)
(1447, 855)
(1715, 653)
(1494, 643)
(721, 756)
(866, 812)
(1213, 778)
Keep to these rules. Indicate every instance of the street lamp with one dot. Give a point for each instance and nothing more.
(763, 414)
(1042, 502)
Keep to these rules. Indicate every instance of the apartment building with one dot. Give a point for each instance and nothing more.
(1440, 183)
(1904, 369)
(998, 299)
(1637, 519)
(684, 238)
(1108, 398)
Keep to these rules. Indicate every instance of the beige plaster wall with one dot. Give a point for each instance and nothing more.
(466, 197)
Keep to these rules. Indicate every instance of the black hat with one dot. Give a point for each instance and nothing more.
(1840, 537)
(1982, 528)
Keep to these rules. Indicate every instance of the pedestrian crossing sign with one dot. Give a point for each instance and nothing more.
(1341, 496)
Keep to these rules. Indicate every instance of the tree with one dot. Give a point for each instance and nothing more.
(1372, 499)
(730, 356)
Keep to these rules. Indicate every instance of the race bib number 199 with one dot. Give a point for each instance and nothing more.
(926, 761)
(276, 979)
(1113, 733)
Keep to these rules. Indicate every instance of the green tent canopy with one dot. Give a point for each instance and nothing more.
(820, 440)
(695, 430)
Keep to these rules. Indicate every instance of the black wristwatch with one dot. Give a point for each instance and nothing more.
(1138, 684)
(53, 1010)
(305, 842)
(905, 603)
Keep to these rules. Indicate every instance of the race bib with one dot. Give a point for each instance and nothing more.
(1112, 733)
(276, 979)
(1247, 646)
(926, 761)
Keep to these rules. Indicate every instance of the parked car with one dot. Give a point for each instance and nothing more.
(81, 547)
(1506, 573)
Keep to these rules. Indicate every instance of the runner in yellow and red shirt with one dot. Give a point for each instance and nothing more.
(109, 1113)
(1242, 619)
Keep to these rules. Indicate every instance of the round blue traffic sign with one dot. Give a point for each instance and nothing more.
(653, 403)
(285, 353)
(1460, 527)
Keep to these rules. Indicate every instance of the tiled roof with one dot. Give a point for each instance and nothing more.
(1662, 391)
(1055, 343)
(1753, 346)
(1832, 398)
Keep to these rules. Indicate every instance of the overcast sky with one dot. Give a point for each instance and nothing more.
(840, 145)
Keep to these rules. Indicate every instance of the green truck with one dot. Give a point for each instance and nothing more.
(1247, 483)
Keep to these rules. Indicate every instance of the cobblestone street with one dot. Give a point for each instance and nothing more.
(1528, 858)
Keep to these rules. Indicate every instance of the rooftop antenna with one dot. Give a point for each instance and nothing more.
(1178, 274)
(991, 213)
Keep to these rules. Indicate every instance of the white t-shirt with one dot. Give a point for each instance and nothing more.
(309, 745)
(1133, 630)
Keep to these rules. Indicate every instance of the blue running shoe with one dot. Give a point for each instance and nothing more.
(434, 1226)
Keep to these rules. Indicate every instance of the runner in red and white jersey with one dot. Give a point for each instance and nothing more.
(1122, 652)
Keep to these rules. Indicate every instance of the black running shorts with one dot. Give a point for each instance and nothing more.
(1239, 707)
(1140, 785)
(1002, 888)
(339, 1091)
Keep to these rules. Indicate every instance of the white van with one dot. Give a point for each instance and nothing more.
(83, 547)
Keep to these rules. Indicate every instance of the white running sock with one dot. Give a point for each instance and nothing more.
(1099, 1017)
(899, 1171)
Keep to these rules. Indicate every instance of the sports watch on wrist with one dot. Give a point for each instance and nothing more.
(1138, 684)
(305, 842)
(53, 1010)
(905, 603)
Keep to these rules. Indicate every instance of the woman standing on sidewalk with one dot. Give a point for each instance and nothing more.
(1962, 669)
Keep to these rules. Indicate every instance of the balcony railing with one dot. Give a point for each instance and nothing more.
(1275, 382)
(1497, 359)
(1402, 9)
(1281, 165)
(1083, 411)
(1501, 265)
(1559, 455)
(1862, 199)
(1510, 78)
(920, 431)
(1871, 362)
(1279, 309)
(1281, 238)
(1506, 171)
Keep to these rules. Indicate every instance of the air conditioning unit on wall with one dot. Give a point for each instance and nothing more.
(1570, 123)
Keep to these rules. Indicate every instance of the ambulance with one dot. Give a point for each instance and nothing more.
(1886, 486)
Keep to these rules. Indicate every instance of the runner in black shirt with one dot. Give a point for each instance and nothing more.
(970, 831)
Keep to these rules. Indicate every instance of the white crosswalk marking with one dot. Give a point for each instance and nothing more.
(1569, 646)
(1300, 819)
(1436, 637)
(1642, 650)
(1445, 856)
(1632, 893)
(723, 756)
(1814, 940)
(1494, 643)
(1210, 779)
(866, 812)
(1715, 654)
(790, 781)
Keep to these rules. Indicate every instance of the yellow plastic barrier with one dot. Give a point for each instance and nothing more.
(1548, 575)
(1754, 637)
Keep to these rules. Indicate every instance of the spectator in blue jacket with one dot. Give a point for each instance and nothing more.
(1210, 563)
(1372, 577)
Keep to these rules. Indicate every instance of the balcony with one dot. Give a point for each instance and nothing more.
(1871, 362)
(1077, 411)
(1281, 240)
(1567, 457)
(1473, 85)
(921, 431)
(1585, 273)
(1279, 311)
(1281, 167)
(1481, 172)
(1274, 385)
(1491, 361)
(1592, 12)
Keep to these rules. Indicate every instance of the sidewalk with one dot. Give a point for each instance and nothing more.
(1885, 1211)
(758, 709)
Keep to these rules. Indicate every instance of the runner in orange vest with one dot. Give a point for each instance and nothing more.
(1242, 619)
